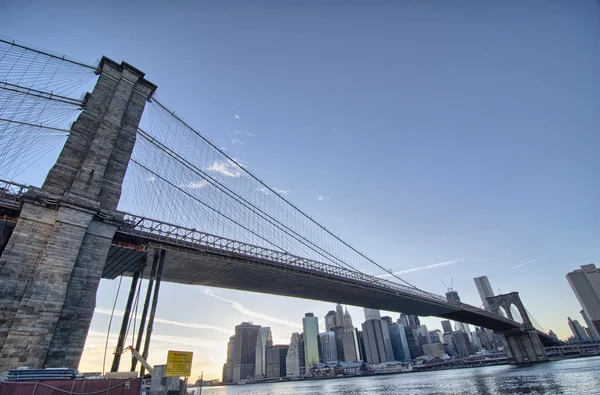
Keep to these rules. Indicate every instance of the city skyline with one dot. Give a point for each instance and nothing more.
(482, 187)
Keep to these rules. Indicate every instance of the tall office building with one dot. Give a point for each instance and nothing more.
(350, 346)
(590, 326)
(378, 345)
(462, 344)
(330, 320)
(412, 338)
(447, 326)
(328, 347)
(409, 320)
(348, 321)
(244, 351)
(585, 283)
(485, 290)
(578, 331)
(339, 341)
(265, 339)
(310, 325)
(452, 296)
(294, 360)
(399, 342)
(372, 314)
(276, 361)
(339, 315)
(228, 368)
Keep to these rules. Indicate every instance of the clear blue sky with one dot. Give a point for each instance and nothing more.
(438, 131)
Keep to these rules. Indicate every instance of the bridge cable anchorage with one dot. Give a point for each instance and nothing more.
(227, 176)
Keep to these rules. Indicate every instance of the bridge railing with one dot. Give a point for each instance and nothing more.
(191, 238)
(11, 194)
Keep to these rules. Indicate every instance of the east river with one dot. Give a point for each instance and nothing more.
(573, 376)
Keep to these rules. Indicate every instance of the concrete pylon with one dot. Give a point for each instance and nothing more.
(521, 345)
(51, 266)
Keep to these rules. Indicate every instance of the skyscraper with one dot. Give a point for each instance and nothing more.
(265, 339)
(447, 326)
(590, 326)
(330, 320)
(244, 351)
(452, 296)
(372, 314)
(412, 338)
(462, 343)
(339, 342)
(339, 315)
(276, 360)
(485, 290)
(310, 325)
(399, 342)
(294, 360)
(228, 368)
(378, 344)
(350, 346)
(578, 331)
(585, 283)
(348, 321)
(328, 347)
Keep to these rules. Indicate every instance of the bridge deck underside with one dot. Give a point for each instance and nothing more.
(190, 267)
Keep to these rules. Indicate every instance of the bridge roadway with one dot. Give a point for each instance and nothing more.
(196, 258)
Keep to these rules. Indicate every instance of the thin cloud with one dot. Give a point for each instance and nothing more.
(281, 191)
(226, 168)
(235, 140)
(528, 262)
(322, 198)
(184, 340)
(239, 132)
(236, 116)
(266, 191)
(418, 269)
(195, 325)
(195, 184)
(253, 314)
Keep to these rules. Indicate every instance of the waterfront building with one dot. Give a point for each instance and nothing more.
(372, 314)
(328, 347)
(387, 319)
(265, 339)
(399, 342)
(244, 351)
(435, 350)
(276, 356)
(553, 335)
(484, 288)
(310, 325)
(436, 336)
(339, 342)
(585, 283)
(294, 360)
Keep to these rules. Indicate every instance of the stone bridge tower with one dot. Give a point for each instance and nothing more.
(51, 266)
(521, 345)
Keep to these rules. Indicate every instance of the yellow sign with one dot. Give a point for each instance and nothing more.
(179, 364)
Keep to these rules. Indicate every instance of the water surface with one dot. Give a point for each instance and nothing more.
(574, 376)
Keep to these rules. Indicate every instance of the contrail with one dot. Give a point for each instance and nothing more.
(428, 267)
(528, 262)
(195, 325)
(254, 314)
